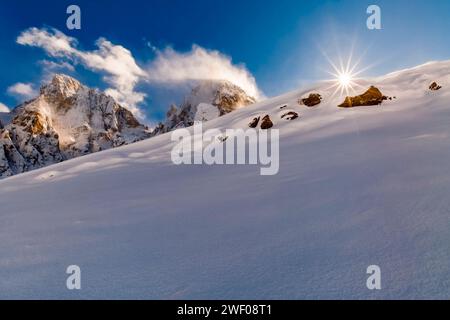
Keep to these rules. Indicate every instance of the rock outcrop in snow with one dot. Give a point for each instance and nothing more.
(209, 100)
(313, 100)
(266, 123)
(435, 87)
(65, 121)
(291, 115)
(254, 123)
(371, 97)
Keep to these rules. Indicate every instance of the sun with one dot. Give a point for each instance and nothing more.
(345, 75)
(345, 79)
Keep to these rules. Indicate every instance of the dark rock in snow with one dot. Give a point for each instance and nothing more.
(435, 87)
(313, 100)
(266, 123)
(254, 123)
(290, 115)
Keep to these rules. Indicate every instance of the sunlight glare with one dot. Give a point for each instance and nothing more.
(345, 77)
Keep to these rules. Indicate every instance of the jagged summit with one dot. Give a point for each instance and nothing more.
(61, 87)
(208, 100)
(221, 93)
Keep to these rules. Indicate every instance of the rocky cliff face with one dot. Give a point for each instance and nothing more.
(207, 101)
(65, 121)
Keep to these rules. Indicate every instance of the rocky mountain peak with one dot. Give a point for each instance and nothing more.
(208, 100)
(221, 93)
(65, 121)
(61, 87)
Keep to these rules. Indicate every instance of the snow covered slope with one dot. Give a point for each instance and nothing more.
(356, 187)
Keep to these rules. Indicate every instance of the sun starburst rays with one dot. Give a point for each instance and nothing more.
(345, 75)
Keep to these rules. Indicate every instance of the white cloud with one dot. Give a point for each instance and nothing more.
(123, 73)
(55, 43)
(200, 64)
(117, 63)
(22, 90)
(3, 108)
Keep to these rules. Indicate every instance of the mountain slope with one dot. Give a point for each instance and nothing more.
(356, 187)
(65, 121)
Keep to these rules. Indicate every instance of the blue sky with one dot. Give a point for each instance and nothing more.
(280, 43)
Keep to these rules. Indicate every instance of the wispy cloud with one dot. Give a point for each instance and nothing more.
(200, 64)
(22, 90)
(56, 66)
(53, 41)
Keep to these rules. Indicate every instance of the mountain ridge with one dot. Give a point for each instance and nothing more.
(65, 121)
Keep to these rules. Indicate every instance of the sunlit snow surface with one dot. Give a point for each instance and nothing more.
(356, 187)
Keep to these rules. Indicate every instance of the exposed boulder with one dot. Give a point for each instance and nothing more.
(254, 123)
(266, 123)
(371, 97)
(435, 87)
(313, 100)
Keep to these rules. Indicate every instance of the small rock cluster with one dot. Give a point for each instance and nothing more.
(266, 122)
(434, 87)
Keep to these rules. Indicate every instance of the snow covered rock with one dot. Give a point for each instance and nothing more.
(313, 100)
(208, 101)
(65, 121)
(291, 115)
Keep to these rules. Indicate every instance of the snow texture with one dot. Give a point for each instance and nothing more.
(356, 187)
